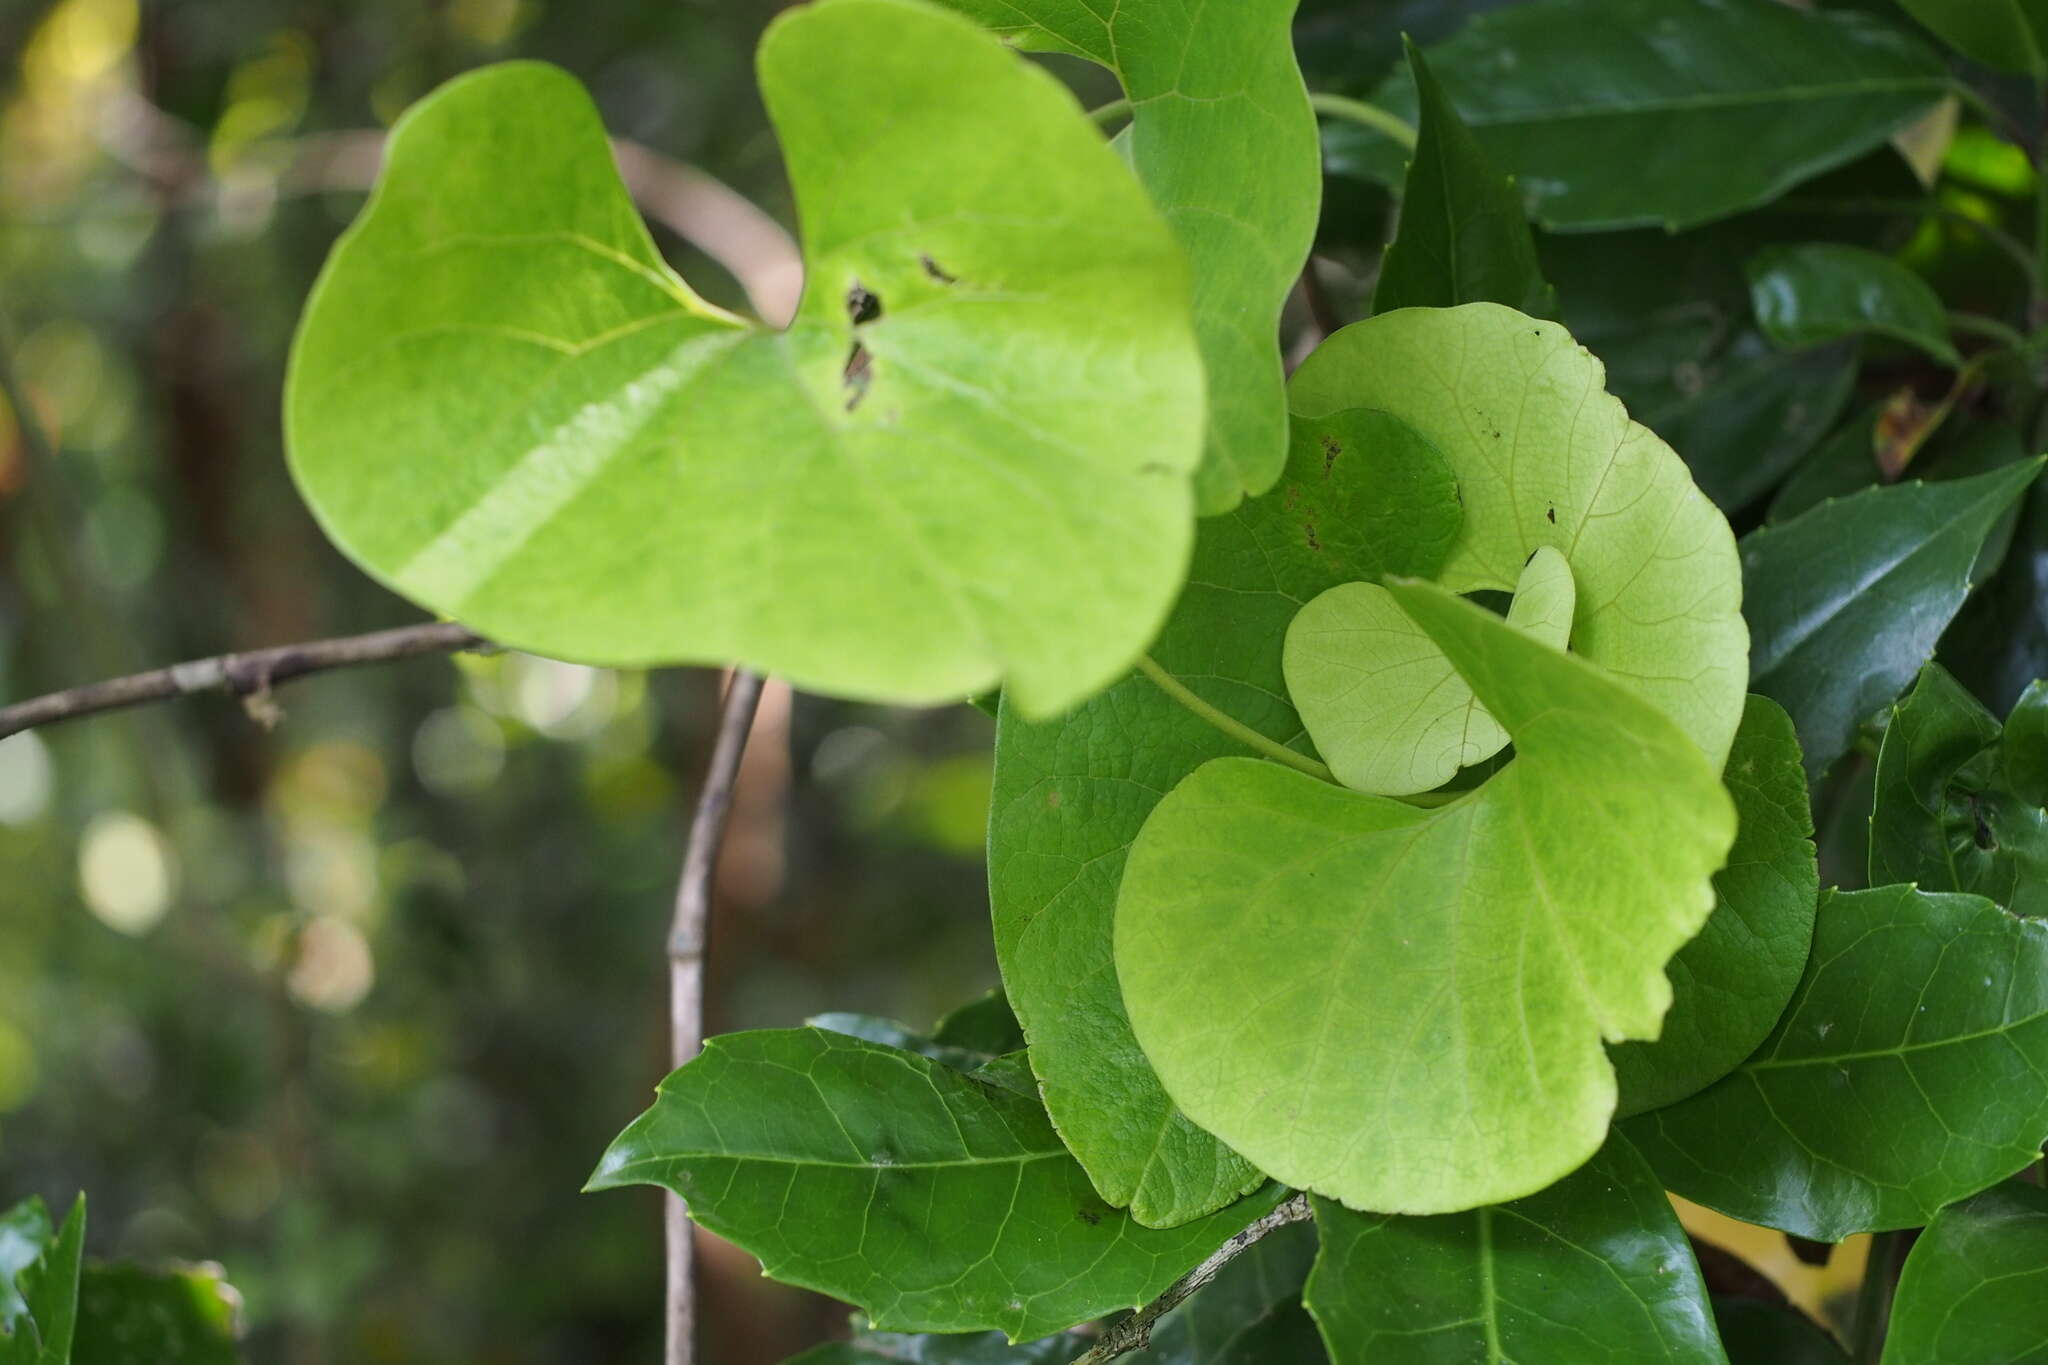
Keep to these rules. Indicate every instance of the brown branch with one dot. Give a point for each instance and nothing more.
(686, 942)
(250, 674)
(1134, 1333)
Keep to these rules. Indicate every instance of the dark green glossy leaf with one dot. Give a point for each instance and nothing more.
(129, 1315)
(1944, 816)
(930, 1201)
(1222, 135)
(506, 406)
(1822, 291)
(1844, 464)
(1845, 602)
(987, 1025)
(1592, 1271)
(1755, 1333)
(1464, 234)
(1750, 412)
(1250, 1314)
(2026, 745)
(1998, 645)
(2011, 35)
(1619, 113)
(1905, 1075)
(1975, 1286)
(890, 1033)
(42, 1331)
(1360, 497)
(1730, 984)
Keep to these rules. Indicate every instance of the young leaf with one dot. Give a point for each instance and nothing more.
(1362, 495)
(1730, 985)
(1845, 602)
(932, 1202)
(1622, 113)
(1543, 456)
(1905, 1075)
(1223, 137)
(1403, 1009)
(1592, 1271)
(1387, 711)
(504, 405)
(1464, 235)
(1943, 816)
(1820, 291)
(1975, 1286)
(41, 1331)
(2011, 35)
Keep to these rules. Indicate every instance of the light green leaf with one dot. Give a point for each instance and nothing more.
(41, 1333)
(1731, 984)
(932, 1202)
(1223, 137)
(1905, 1075)
(1543, 456)
(2011, 35)
(129, 1315)
(1387, 711)
(1975, 1286)
(1622, 113)
(1464, 235)
(1846, 602)
(1403, 1009)
(1821, 291)
(967, 461)
(1943, 816)
(1592, 1271)
(1362, 495)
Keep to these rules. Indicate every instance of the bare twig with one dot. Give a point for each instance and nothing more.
(1134, 1333)
(250, 674)
(686, 940)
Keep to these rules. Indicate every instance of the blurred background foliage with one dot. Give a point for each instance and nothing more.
(352, 1004)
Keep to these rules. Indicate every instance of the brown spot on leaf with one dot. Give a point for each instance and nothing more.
(1331, 450)
(1310, 528)
(1551, 512)
(862, 306)
(1089, 1216)
(937, 271)
(1052, 799)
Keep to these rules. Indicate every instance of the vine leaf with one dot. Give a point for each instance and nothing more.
(1362, 495)
(1387, 711)
(1464, 235)
(1845, 602)
(1973, 1285)
(1904, 1076)
(1944, 815)
(932, 1202)
(1545, 457)
(1223, 137)
(1822, 291)
(1594, 1270)
(1403, 1009)
(1675, 112)
(1730, 985)
(502, 403)
(44, 1285)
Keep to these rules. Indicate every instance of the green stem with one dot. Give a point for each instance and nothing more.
(1976, 324)
(1103, 115)
(1369, 115)
(1874, 1299)
(1236, 729)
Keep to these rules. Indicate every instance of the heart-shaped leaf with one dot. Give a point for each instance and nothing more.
(1363, 495)
(1975, 1286)
(967, 460)
(931, 1201)
(1403, 1009)
(1594, 1270)
(1223, 137)
(1730, 985)
(1905, 1075)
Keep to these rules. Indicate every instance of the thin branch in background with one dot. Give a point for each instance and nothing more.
(249, 675)
(1134, 1333)
(686, 943)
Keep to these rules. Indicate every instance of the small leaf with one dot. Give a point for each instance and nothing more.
(1943, 816)
(1592, 1271)
(1822, 291)
(1222, 135)
(1730, 985)
(129, 1315)
(2011, 35)
(1403, 1009)
(1387, 711)
(1464, 235)
(932, 1202)
(1845, 602)
(1905, 1075)
(503, 404)
(1622, 113)
(43, 1330)
(1975, 1286)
